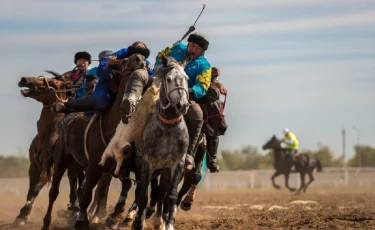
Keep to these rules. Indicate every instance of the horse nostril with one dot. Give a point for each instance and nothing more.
(24, 80)
(178, 105)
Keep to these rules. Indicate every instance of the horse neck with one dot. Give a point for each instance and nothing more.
(277, 152)
(47, 121)
(111, 118)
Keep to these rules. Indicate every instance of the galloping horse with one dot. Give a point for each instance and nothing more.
(304, 163)
(85, 141)
(163, 146)
(48, 91)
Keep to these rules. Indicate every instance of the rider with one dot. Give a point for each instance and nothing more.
(103, 54)
(104, 93)
(78, 75)
(198, 69)
(291, 143)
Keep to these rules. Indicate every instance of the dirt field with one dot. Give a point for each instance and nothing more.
(338, 208)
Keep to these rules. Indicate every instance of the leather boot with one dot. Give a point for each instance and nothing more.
(212, 146)
(82, 104)
(133, 91)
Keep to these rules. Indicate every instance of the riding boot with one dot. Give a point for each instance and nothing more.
(194, 120)
(133, 91)
(81, 104)
(212, 146)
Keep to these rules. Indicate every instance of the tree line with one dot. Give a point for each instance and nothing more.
(246, 158)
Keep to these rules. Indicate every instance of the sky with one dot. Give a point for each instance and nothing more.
(307, 65)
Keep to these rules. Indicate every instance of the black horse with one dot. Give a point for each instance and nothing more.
(303, 163)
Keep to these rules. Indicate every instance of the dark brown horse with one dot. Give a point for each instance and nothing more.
(71, 144)
(304, 164)
(48, 91)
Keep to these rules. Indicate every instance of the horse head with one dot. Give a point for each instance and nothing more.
(174, 86)
(273, 143)
(45, 90)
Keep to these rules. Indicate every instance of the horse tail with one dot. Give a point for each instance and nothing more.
(319, 165)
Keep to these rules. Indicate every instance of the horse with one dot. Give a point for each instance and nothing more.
(120, 149)
(163, 146)
(84, 141)
(48, 91)
(214, 125)
(304, 164)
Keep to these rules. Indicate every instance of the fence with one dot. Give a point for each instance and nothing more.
(262, 178)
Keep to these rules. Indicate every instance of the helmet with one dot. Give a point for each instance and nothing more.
(83, 55)
(285, 131)
(199, 39)
(104, 54)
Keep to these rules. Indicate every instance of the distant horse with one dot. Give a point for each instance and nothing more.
(163, 146)
(304, 164)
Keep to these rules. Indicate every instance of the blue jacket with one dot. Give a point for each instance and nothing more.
(198, 70)
(103, 70)
(103, 94)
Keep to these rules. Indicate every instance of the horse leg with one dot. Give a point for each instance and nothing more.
(163, 189)
(311, 179)
(73, 171)
(276, 174)
(101, 197)
(93, 175)
(114, 219)
(192, 180)
(176, 174)
(302, 176)
(142, 197)
(287, 183)
(35, 185)
(154, 197)
(132, 212)
(61, 165)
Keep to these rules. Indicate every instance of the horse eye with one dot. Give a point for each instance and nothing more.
(169, 79)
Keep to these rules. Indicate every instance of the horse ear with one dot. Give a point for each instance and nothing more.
(55, 74)
(164, 60)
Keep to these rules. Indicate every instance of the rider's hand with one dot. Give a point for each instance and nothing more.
(191, 94)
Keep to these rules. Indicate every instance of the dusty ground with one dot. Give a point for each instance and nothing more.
(324, 208)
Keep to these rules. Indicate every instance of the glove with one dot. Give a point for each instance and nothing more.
(191, 94)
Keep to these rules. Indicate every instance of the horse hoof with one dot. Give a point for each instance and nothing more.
(149, 212)
(128, 222)
(169, 227)
(185, 207)
(80, 225)
(111, 223)
(95, 220)
(159, 226)
(277, 187)
(292, 189)
(19, 221)
(137, 226)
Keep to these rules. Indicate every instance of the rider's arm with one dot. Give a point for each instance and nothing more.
(203, 80)
(150, 69)
(177, 51)
(120, 54)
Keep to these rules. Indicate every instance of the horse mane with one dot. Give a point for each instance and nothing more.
(55, 74)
